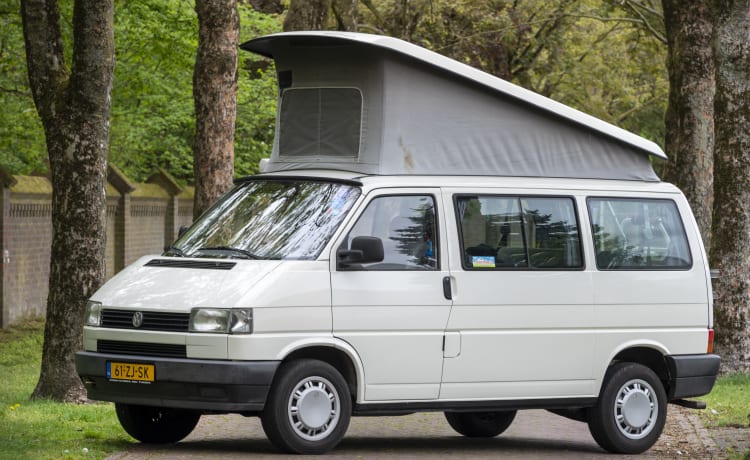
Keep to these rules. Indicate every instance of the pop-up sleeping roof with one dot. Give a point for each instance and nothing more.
(379, 105)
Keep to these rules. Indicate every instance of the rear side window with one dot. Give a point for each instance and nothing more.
(638, 234)
(501, 232)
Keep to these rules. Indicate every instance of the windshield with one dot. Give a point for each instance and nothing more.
(269, 219)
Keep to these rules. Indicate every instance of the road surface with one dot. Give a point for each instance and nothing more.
(533, 434)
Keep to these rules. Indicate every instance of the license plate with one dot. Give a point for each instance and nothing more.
(130, 372)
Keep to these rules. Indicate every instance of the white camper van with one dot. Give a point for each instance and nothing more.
(425, 237)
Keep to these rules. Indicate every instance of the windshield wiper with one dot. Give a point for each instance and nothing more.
(175, 250)
(246, 253)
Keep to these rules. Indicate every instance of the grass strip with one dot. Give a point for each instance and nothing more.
(729, 402)
(42, 429)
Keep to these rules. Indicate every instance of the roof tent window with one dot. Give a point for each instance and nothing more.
(320, 122)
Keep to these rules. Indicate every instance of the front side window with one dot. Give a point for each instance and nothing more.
(320, 122)
(406, 225)
(632, 234)
(500, 232)
(269, 219)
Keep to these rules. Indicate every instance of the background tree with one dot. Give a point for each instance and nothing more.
(73, 104)
(307, 15)
(730, 250)
(267, 6)
(689, 119)
(215, 95)
(316, 15)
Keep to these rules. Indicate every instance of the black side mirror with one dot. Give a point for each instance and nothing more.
(364, 250)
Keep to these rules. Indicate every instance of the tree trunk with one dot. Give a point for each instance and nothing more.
(730, 251)
(689, 118)
(215, 96)
(74, 108)
(307, 15)
(267, 6)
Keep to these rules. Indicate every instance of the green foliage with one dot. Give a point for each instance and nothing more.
(615, 71)
(256, 96)
(153, 115)
(22, 147)
(152, 122)
(590, 54)
(152, 101)
(44, 429)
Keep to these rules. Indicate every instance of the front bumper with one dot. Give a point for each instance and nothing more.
(198, 384)
(691, 375)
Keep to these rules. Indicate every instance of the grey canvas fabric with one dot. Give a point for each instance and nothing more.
(377, 105)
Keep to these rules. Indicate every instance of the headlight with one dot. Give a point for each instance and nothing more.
(93, 314)
(222, 320)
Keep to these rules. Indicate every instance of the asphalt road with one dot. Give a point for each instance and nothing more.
(533, 434)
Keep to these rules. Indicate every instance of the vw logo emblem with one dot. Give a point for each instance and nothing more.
(137, 319)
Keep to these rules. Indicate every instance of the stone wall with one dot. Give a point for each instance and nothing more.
(142, 218)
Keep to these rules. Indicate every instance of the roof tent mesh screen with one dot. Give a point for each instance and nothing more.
(320, 121)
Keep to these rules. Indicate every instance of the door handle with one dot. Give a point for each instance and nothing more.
(447, 288)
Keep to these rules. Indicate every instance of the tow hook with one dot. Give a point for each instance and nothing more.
(689, 403)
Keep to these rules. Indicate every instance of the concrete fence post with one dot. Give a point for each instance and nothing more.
(165, 180)
(6, 181)
(122, 217)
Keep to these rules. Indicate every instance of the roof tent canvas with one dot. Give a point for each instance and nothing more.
(379, 105)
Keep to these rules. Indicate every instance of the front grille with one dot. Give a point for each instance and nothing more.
(142, 349)
(152, 320)
(199, 264)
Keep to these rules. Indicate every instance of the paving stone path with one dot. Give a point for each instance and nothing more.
(534, 434)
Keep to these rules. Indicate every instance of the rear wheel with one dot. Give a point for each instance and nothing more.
(480, 424)
(308, 409)
(632, 408)
(156, 424)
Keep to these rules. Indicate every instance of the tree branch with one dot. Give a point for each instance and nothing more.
(636, 8)
(656, 34)
(45, 60)
(15, 91)
(374, 10)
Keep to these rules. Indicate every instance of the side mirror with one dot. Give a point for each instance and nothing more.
(364, 250)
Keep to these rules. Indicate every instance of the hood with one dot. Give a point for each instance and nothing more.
(179, 284)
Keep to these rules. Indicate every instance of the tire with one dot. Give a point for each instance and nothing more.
(308, 408)
(480, 424)
(632, 408)
(156, 424)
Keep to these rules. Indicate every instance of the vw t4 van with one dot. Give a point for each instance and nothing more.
(424, 237)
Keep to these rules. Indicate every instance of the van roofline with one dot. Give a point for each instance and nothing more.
(264, 47)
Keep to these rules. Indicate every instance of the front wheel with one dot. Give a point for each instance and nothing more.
(156, 424)
(632, 408)
(308, 409)
(480, 424)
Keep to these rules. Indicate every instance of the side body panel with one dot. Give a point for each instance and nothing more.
(666, 310)
(524, 333)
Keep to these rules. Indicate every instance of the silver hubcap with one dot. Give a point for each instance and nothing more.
(314, 408)
(636, 409)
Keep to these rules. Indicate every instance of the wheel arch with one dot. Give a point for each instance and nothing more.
(339, 355)
(650, 355)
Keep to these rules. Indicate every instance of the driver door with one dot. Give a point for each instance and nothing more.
(394, 312)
